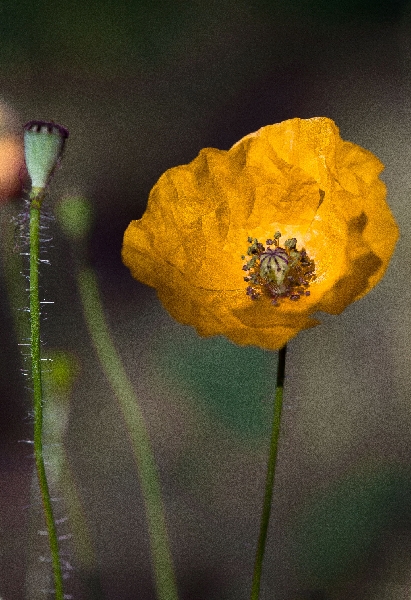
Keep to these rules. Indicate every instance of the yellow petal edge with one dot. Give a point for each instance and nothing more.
(297, 177)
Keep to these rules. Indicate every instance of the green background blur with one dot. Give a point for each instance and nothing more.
(143, 86)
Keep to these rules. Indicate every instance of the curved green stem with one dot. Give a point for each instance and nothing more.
(269, 482)
(38, 392)
(134, 420)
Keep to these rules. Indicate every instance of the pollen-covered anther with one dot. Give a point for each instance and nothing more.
(276, 271)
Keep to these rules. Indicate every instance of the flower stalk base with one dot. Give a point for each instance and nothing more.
(269, 482)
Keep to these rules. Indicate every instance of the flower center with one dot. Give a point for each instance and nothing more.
(277, 272)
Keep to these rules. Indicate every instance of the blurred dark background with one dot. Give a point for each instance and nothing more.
(143, 86)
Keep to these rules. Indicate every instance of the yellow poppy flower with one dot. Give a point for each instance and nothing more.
(249, 243)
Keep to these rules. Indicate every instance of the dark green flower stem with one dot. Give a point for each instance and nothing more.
(137, 431)
(35, 347)
(269, 482)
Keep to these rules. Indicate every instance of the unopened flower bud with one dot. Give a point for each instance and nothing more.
(43, 147)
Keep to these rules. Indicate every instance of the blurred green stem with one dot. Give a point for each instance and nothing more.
(35, 346)
(134, 420)
(269, 482)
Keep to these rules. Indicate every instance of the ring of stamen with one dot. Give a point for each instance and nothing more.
(277, 272)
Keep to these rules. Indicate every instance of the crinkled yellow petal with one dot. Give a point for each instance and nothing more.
(298, 177)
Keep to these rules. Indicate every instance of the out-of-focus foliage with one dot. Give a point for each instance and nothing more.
(333, 11)
(103, 33)
(235, 384)
(62, 369)
(109, 34)
(75, 216)
(343, 524)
